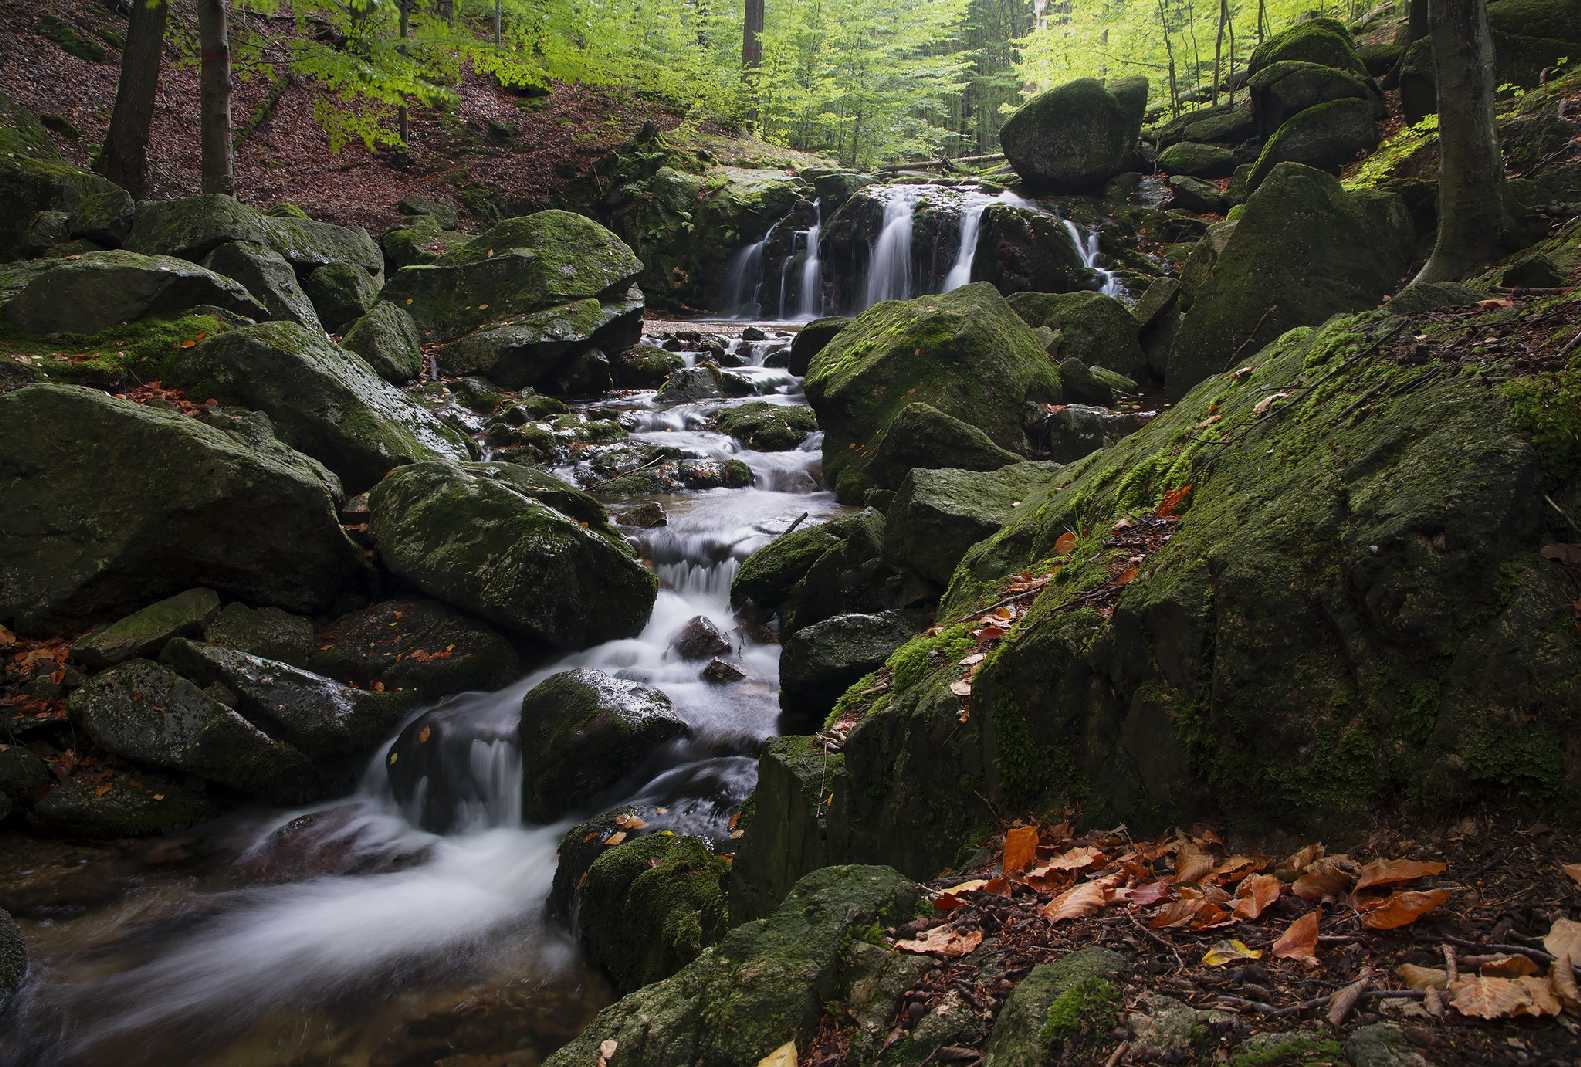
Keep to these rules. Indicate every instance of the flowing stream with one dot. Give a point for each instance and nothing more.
(344, 935)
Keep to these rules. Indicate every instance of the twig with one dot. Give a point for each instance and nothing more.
(1574, 343)
(798, 522)
(1179, 962)
(1114, 1057)
(1563, 513)
(1451, 968)
(1235, 356)
(1520, 950)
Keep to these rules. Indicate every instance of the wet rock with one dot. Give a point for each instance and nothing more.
(145, 632)
(474, 536)
(13, 959)
(582, 732)
(1197, 160)
(151, 716)
(1092, 327)
(581, 845)
(938, 514)
(1067, 1007)
(268, 277)
(1324, 41)
(417, 644)
(97, 290)
(1382, 1045)
(766, 427)
(823, 660)
(539, 348)
(921, 436)
(720, 672)
(965, 353)
(1020, 250)
(1076, 430)
(341, 294)
(761, 985)
(268, 633)
(1284, 89)
(811, 339)
(700, 639)
(386, 337)
(646, 516)
(817, 572)
(109, 804)
(1082, 386)
(80, 538)
(1075, 137)
(322, 399)
(330, 842)
(321, 718)
(310, 245)
(648, 907)
(193, 226)
(434, 771)
(1190, 194)
(703, 382)
(644, 367)
(1327, 137)
(713, 474)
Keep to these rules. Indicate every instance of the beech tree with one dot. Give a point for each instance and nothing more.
(214, 116)
(125, 158)
(1473, 215)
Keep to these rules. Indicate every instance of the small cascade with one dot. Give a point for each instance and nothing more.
(889, 266)
(811, 303)
(1087, 246)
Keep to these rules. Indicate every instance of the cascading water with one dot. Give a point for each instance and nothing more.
(889, 265)
(1087, 246)
(971, 221)
(811, 304)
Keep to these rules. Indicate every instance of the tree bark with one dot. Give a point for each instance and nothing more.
(752, 35)
(215, 113)
(401, 122)
(1473, 217)
(125, 159)
(1417, 27)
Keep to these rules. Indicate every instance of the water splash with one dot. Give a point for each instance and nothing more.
(1087, 246)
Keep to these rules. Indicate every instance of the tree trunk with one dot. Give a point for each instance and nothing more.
(1417, 27)
(125, 160)
(1473, 218)
(752, 35)
(401, 124)
(497, 20)
(215, 113)
(1218, 48)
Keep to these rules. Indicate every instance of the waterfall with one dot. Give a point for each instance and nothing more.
(746, 276)
(811, 305)
(889, 266)
(1087, 247)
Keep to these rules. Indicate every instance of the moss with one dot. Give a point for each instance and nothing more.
(1547, 407)
(71, 40)
(120, 357)
(1086, 1009)
(1289, 1050)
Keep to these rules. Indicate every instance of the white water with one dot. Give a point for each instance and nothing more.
(889, 265)
(971, 221)
(1087, 246)
(811, 302)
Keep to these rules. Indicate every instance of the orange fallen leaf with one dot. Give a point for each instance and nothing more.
(1502, 998)
(1403, 908)
(1021, 848)
(102, 790)
(1324, 878)
(1509, 966)
(614, 839)
(1562, 976)
(950, 899)
(1064, 543)
(1255, 894)
(1144, 895)
(1573, 869)
(424, 734)
(1078, 901)
(627, 821)
(1126, 577)
(1416, 977)
(1262, 406)
(1299, 941)
(1172, 500)
(1564, 939)
(1389, 872)
(1303, 859)
(943, 941)
(1191, 862)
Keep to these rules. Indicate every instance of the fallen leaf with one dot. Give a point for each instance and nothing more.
(102, 790)
(1021, 848)
(1509, 966)
(961, 687)
(1389, 872)
(1228, 952)
(606, 1051)
(1502, 998)
(1064, 543)
(784, 1056)
(943, 941)
(950, 899)
(1303, 859)
(1192, 862)
(627, 821)
(1178, 913)
(1267, 402)
(1573, 869)
(1496, 302)
(1403, 908)
(1078, 901)
(424, 734)
(614, 839)
(1076, 859)
(1324, 878)
(1241, 372)
(1564, 939)
(1416, 977)
(1125, 577)
(1172, 500)
(1254, 895)
(1343, 1000)
(1562, 976)
(1145, 895)
(1299, 941)
(1570, 554)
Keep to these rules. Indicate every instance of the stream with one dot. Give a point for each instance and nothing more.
(342, 934)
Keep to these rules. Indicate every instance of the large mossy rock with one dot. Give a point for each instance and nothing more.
(1197, 160)
(387, 338)
(1020, 250)
(192, 227)
(921, 436)
(763, 985)
(308, 245)
(1324, 41)
(811, 339)
(341, 294)
(1228, 124)
(766, 427)
(532, 349)
(148, 714)
(965, 353)
(1352, 614)
(1061, 1012)
(1531, 36)
(1291, 260)
(584, 731)
(48, 200)
(1327, 137)
(823, 660)
(487, 538)
(1072, 138)
(141, 804)
(413, 643)
(82, 538)
(938, 514)
(144, 633)
(648, 907)
(1094, 328)
(1282, 90)
(322, 399)
(816, 573)
(97, 290)
(268, 277)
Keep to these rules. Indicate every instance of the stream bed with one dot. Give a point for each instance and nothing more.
(342, 934)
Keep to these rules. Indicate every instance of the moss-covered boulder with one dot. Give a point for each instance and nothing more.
(148, 714)
(811, 339)
(1291, 259)
(268, 633)
(1061, 1012)
(1020, 250)
(1530, 36)
(13, 959)
(81, 538)
(766, 427)
(920, 436)
(1197, 160)
(115, 804)
(333, 724)
(341, 294)
(584, 731)
(1196, 196)
(268, 277)
(308, 245)
(648, 907)
(1324, 41)
(823, 660)
(1091, 327)
(782, 825)
(50, 202)
(644, 366)
(965, 353)
(97, 290)
(322, 399)
(1283, 89)
(538, 348)
(938, 514)
(1326, 136)
(1072, 138)
(762, 985)
(417, 644)
(818, 572)
(419, 240)
(192, 227)
(144, 633)
(387, 338)
(475, 537)
(1229, 124)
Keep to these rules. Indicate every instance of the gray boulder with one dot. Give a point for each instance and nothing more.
(97, 290)
(308, 245)
(938, 514)
(193, 226)
(811, 339)
(387, 338)
(268, 277)
(417, 644)
(341, 294)
(823, 660)
(265, 632)
(1327, 137)
(1075, 137)
(1197, 160)
(536, 348)
(81, 538)
(144, 633)
(1020, 250)
(1192, 194)
(1282, 90)
(1092, 327)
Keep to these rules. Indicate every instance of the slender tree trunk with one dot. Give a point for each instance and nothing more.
(752, 35)
(498, 18)
(125, 159)
(405, 8)
(1229, 23)
(1169, 50)
(1417, 27)
(215, 113)
(1218, 48)
(1473, 218)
